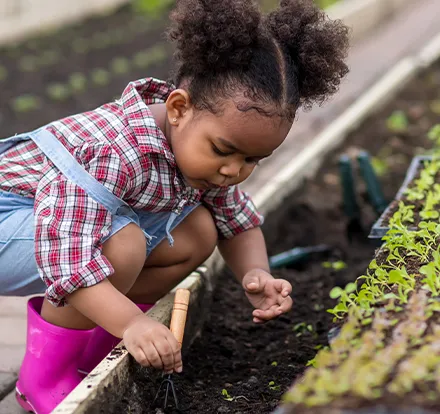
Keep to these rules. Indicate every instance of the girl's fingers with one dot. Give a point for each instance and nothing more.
(177, 354)
(266, 315)
(152, 355)
(165, 351)
(284, 287)
(140, 357)
(285, 305)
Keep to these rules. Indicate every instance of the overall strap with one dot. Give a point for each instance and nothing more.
(77, 174)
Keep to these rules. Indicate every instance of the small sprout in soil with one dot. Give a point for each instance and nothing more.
(274, 363)
(434, 134)
(100, 77)
(380, 166)
(226, 395)
(274, 387)
(338, 265)
(58, 92)
(318, 307)
(3, 73)
(49, 57)
(101, 40)
(120, 65)
(28, 64)
(435, 106)
(152, 8)
(77, 82)
(25, 103)
(397, 122)
(149, 57)
(80, 45)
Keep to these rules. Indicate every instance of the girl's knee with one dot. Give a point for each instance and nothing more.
(126, 251)
(205, 236)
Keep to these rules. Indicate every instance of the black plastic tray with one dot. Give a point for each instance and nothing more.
(378, 231)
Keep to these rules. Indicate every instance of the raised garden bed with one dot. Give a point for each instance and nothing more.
(238, 367)
(386, 356)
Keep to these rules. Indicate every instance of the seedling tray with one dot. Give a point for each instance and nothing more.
(379, 230)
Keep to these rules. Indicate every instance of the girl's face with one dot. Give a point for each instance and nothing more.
(222, 150)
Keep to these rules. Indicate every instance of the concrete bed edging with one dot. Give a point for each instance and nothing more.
(113, 371)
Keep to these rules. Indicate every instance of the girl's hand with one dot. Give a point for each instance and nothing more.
(152, 344)
(269, 296)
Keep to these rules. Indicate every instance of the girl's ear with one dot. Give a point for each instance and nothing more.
(178, 105)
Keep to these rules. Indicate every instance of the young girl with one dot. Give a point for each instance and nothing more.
(108, 210)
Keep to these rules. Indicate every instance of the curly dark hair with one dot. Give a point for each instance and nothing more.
(292, 57)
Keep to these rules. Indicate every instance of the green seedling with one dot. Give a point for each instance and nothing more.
(274, 387)
(302, 328)
(380, 166)
(120, 65)
(338, 265)
(274, 363)
(100, 40)
(100, 77)
(58, 92)
(397, 122)
(3, 73)
(434, 134)
(25, 103)
(149, 57)
(77, 82)
(226, 395)
(49, 57)
(434, 106)
(152, 8)
(28, 64)
(80, 45)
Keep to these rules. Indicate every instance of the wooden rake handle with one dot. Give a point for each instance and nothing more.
(178, 317)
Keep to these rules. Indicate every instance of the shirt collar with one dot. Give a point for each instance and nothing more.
(135, 100)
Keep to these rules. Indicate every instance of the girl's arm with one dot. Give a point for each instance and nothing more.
(245, 252)
(246, 255)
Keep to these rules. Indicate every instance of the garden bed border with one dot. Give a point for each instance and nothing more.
(378, 231)
(113, 372)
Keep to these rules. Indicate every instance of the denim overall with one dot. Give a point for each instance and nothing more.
(18, 269)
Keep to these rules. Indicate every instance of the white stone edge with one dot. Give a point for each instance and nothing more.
(267, 199)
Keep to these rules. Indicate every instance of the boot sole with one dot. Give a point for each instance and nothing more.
(24, 403)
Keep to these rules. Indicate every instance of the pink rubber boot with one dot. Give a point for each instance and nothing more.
(49, 369)
(100, 345)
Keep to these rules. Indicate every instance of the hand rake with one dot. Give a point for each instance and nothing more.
(177, 327)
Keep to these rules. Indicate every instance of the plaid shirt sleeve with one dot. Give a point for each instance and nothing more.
(69, 226)
(233, 211)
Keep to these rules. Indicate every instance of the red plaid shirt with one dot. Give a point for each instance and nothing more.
(120, 145)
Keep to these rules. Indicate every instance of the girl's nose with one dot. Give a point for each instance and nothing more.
(231, 170)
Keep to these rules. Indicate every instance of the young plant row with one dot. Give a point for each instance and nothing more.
(51, 48)
(99, 77)
(389, 342)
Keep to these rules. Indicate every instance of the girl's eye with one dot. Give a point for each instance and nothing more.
(252, 161)
(221, 153)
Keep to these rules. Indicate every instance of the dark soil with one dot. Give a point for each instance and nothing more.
(234, 354)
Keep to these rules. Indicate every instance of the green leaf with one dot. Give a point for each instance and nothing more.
(397, 122)
(336, 292)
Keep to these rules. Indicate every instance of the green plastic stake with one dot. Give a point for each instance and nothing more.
(374, 190)
(351, 207)
(296, 255)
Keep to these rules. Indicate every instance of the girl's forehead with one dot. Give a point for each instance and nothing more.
(252, 131)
